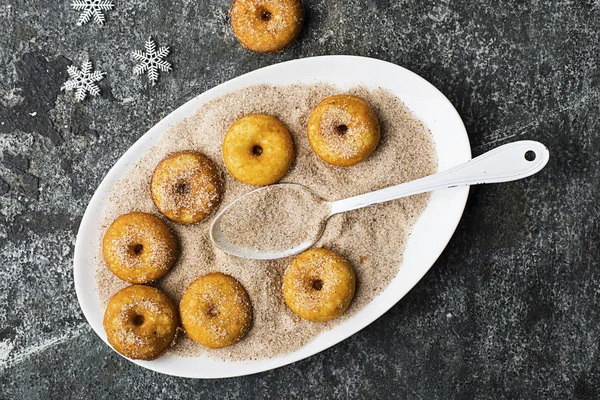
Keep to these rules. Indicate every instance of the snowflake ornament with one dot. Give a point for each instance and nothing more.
(83, 81)
(151, 61)
(92, 9)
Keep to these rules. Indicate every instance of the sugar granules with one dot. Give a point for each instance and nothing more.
(372, 239)
(275, 218)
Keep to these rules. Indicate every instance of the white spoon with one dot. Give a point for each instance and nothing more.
(504, 164)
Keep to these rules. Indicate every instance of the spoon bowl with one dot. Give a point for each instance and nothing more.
(223, 242)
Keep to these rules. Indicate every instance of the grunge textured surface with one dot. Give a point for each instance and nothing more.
(510, 310)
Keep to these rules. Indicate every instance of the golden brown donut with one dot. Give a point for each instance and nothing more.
(343, 130)
(258, 150)
(139, 248)
(216, 310)
(186, 187)
(319, 285)
(140, 322)
(266, 26)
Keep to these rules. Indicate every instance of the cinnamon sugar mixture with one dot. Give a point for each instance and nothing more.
(275, 219)
(372, 239)
(347, 144)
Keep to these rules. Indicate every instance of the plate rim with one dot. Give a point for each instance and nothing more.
(173, 117)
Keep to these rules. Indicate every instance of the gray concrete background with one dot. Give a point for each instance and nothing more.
(510, 310)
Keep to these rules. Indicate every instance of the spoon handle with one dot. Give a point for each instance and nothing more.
(503, 164)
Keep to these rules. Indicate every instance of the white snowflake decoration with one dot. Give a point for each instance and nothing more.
(92, 8)
(151, 61)
(83, 81)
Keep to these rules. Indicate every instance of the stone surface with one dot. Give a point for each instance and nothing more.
(510, 310)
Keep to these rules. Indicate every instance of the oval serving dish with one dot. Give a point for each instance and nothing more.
(429, 237)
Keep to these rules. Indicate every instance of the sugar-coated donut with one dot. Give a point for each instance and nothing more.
(258, 150)
(343, 130)
(139, 248)
(186, 187)
(266, 26)
(140, 322)
(216, 310)
(319, 285)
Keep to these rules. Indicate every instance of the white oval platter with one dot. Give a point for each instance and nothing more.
(430, 235)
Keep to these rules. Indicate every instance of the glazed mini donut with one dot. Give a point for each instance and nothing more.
(343, 130)
(140, 322)
(186, 187)
(216, 310)
(266, 26)
(139, 248)
(319, 285)
(258, 150)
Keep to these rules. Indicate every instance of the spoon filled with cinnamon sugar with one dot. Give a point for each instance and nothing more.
(281, 220)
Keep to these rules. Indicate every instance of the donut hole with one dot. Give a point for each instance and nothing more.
(257, 150)
(341, 129)
(137, 249)
(212, 311)
(265, 15)
(182, 188)
(138, 320)
(317, 284)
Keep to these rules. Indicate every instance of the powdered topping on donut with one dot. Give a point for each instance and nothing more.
(343, 130)
(186, 187)
(140, 322)
(127, 246)
(139, 248)
(216, 310)
(319, 285)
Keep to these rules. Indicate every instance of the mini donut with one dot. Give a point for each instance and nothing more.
(258, 150)
(319, 285)
(343, 130)
(186, 187)
(216, 310)
(266, 26)
(139, 248)
(140, 322)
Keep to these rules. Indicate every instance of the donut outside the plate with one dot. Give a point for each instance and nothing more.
(266, 26)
